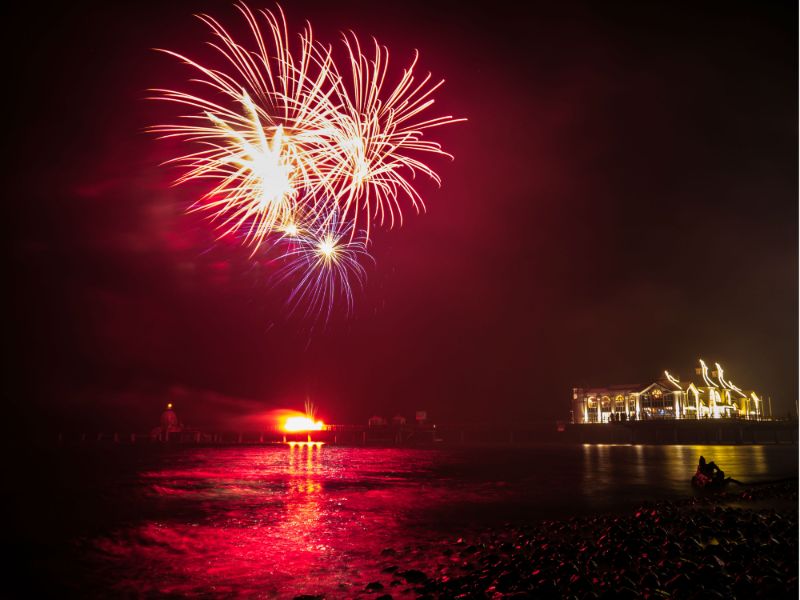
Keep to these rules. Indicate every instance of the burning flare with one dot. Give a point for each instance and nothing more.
(293, 421)
(302, 423)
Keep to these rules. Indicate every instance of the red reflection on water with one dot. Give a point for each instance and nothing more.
(261, 521)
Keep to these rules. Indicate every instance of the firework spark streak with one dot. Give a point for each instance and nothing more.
(300, 149)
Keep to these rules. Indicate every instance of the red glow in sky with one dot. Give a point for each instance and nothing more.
(609, 178)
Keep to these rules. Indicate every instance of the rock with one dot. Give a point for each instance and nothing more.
(626, 593)
(374, 586)
(686, 550)
(413, 576)
(650, 581)
(679, 582)
(672, 550)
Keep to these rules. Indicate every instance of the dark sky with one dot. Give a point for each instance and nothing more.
(623, 200)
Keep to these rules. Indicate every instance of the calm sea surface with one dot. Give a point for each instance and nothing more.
(290, 519)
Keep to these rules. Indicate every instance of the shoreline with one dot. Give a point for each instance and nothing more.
(739, 543)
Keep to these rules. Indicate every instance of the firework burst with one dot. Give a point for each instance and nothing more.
(261, 141)
(324, 262)
(376, 134)
(302, 154)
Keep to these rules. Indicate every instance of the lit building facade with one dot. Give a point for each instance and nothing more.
(713, 397)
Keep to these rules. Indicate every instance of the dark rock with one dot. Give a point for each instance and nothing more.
(650, 581)
(672, 550)
(374, 586)
(413, 576)
(626, 593)
(679, 582)
(622, 559)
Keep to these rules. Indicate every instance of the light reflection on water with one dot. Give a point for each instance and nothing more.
(663, 471)
(310, 518)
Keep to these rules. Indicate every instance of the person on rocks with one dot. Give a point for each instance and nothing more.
(717, 474)
(708, 473)
(701, 477)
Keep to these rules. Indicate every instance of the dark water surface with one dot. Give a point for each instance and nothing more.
(290, 519)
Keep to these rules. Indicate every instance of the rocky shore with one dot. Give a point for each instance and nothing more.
(736, 544)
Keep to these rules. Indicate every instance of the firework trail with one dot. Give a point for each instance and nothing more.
(302, 154)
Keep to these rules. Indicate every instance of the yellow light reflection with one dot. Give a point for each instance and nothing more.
(303, 496)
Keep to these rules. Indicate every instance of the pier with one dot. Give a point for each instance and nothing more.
(688, 431)
(710, 431)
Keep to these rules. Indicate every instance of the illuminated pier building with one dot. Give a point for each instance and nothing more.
(713, 397)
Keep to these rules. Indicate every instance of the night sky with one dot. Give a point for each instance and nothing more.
(623, 200)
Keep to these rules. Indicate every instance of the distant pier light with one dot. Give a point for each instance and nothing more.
(168, 423)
